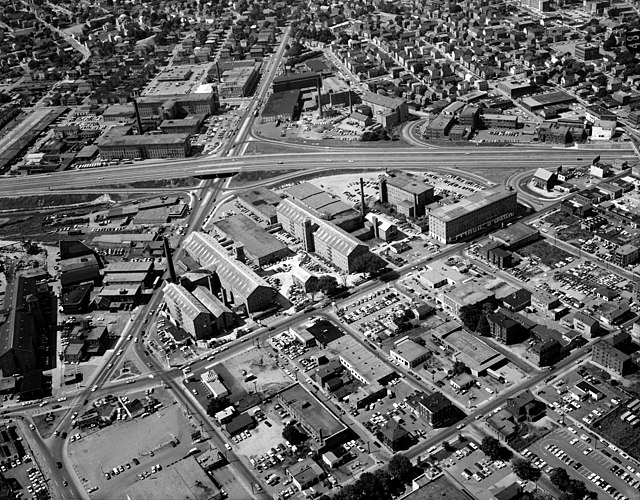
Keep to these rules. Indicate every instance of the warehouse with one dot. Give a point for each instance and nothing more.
(477, 213)
(187, 311)
(238, 280)
(261, 202)
(281, 106)
(330, 207)
(260, 247)
(79, 270)
(321, 236)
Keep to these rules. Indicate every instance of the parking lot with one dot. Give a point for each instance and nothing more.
(120, 445)
(476, 472)
(588, 461)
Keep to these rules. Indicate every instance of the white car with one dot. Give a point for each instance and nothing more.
(227, 446)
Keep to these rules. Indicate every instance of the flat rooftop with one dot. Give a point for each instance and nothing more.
(363, 362)
(517, 231)
(256, 240)
(470, 204)
(314, 413)
(408, 183)
(472, 349)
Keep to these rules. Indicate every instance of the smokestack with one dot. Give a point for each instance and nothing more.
(319, 101)
(138, 120)
(239, 251)
(225, 299)
(167, 254)
(362, 205)
(218, 70)
(350, 101)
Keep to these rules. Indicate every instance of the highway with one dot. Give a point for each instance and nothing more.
(486, 159)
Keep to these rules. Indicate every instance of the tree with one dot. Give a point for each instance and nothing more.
(491, 447)
(401, 468)
(292, 434)
(560, 478)
(327, 284)
(483, 328)
(525, 470)
(216, 405)
(458, 368)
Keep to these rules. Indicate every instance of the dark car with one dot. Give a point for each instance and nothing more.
(59, 464)
(135, 461)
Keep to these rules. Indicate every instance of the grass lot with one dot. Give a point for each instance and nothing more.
(571, 233)
(158, 184)
(528, 434)
(46, 428)
(46, 200)
(250, 176)
(620, 433)
(548, 254)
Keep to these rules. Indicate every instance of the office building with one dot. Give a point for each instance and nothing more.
(117, 144)
(318, 421)
(296, 81)
(607, 354)
(387, 111)
(321, 236)
(239, 81)
(475, 214)
(177, 106)
(240, 284)
(407, 194)
(436, 409)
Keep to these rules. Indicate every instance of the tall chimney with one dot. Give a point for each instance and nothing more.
(169, 257)
(363, 208)
(138, 120)
(239, 251)
(218, 70)
(319, 102)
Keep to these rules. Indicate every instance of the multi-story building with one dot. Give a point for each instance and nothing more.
(439, 127)
(503, 328)
(475, 214)
(321, 236)
(240, 284)
(312, 415)
(189, 125)
(544, 301)
(297, 81)
(466, 294)
(436, 409)
(407, 194)
(626, 254)
(177, 106)
(117, 144)
(239, 81)
(31, 313)
(606, 354)
(387, 111)
(221, 316)
(187, 311)
(586, 325)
